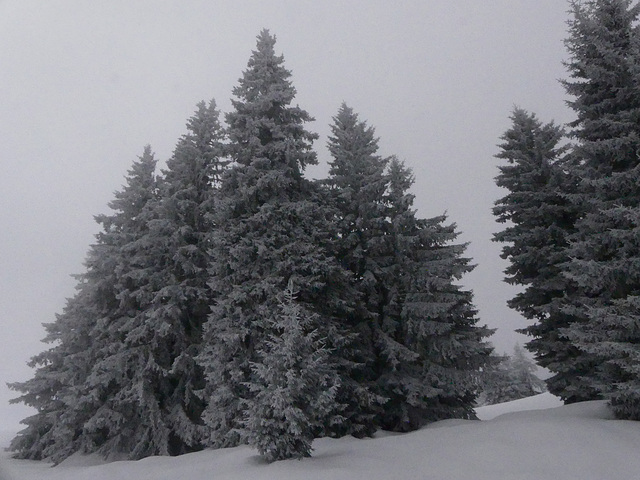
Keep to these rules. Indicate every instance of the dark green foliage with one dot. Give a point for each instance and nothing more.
(273, 227)
(418, 326)
(605, 251)
(541, 217)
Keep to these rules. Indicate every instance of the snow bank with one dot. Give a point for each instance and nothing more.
(567, 442)
(537, 402)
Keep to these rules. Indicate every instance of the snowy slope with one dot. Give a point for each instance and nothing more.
(568, 442)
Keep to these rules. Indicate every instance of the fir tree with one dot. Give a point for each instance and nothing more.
(357, 185)
(541, 218)
(605, 251)
(73, 379)
(404, 268)
(111, 429)
(512, 378)
(145, 377)
(272, 228)
(294, 388)
(54, 391)
(174, 298)
(434, 346)
(358, 182)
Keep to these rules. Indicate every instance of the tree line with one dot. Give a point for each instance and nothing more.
(230, 300)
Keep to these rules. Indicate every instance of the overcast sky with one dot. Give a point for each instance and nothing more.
(85, 85)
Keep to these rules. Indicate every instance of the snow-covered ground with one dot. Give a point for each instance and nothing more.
(532, 439)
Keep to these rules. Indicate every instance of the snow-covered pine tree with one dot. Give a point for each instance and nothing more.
(293, 385)
(54, 391)
(144, 375)
(604, 65)
(540, 218)
(512, 378)
(357, 185)
(430, 339)
(524, 372)
(72, 384)
(273, 227)
(112, 427)
(173, 297)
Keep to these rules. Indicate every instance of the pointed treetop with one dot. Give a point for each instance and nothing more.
(264, 124)
(352, 141)
(265, 71)
(401, 177)
(266, 42)
(529, 134)
(204, 126)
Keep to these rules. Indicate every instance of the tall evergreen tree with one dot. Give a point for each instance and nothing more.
(153, 263)
(174, 298)
(111, 426)
(54, 391)
(404, 269)
(272, 228)
(604, 66)
(430, 340)
(541, 218)
(72, 383)
(358, 182)
(357, 185)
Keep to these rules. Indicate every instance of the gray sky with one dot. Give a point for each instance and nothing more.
(85, 85)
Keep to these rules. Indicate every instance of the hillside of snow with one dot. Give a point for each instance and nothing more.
(529, 439)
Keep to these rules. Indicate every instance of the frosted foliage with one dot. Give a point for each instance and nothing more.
(419, 327)
(511, 379)
(605, 252)
(294, 387)
(539, 220)
(273, 225)
(73, 378)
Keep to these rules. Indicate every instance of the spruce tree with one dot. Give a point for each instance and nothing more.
(293, 385)
(272, 227)
(54, 391)
(73, 379)
(433, 345)
(357, 185)
(511, 378)
(145, 377)
(541, 218)
(173, 297)
(404, 268)
(604, 67)
(111, 429)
